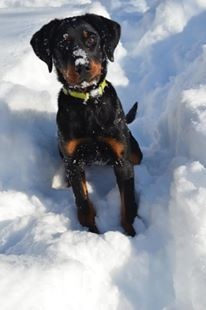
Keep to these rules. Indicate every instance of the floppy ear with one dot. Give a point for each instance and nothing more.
(108, 30)
(41, 42)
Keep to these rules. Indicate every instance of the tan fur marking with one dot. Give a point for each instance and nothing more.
(70, 75)
(71, 146)
(135, 160)
(116, 146)
(84, 187)
(85, 34)
(86, 218)
(96, 69)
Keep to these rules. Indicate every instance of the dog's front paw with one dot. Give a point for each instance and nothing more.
(94, 229)
(129, 229)
(86, 216)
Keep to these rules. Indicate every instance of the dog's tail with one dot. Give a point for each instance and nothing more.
(131, 115)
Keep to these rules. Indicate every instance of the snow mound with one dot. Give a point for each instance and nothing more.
(188, 226)
(185, 116)
(39, 3)
(169, 18)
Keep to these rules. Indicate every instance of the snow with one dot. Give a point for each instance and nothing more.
(47, 260)
(81, 57)
(39, 3)
(188, 221)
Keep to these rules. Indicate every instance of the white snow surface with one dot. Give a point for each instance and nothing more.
(48, 261)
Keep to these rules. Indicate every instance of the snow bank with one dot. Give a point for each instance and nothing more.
(169, 18)
(188, 222)
(62, 280)
(171, 83)
(39, 3)
(130, 6)
(185, 116)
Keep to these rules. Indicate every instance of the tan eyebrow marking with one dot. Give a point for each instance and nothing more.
(85, 34)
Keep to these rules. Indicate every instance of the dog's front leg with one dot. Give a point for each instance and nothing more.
(124, 172)
(85, 210)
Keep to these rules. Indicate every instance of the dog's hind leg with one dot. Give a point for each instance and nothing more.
(135, 151)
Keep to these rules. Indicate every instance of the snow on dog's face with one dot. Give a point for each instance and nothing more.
(78, 47)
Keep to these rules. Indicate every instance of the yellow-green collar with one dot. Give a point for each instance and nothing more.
(86, 96)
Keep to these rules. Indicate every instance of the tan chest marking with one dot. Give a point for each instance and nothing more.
(71, 146)
(116, 146)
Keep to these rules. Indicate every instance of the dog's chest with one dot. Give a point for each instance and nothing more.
(86, 120)
(98, 118)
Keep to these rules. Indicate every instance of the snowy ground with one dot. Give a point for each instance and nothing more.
(48, 261)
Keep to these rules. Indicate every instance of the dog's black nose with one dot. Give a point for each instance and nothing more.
(82, 69)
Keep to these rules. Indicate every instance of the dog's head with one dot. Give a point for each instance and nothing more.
(78, 47)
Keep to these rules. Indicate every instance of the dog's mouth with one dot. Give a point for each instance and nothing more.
(82, 80)
(85, 84)
(82, 84)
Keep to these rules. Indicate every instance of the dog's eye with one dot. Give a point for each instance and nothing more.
(91, 41)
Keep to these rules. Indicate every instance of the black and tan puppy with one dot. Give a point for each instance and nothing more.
(91, 122)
